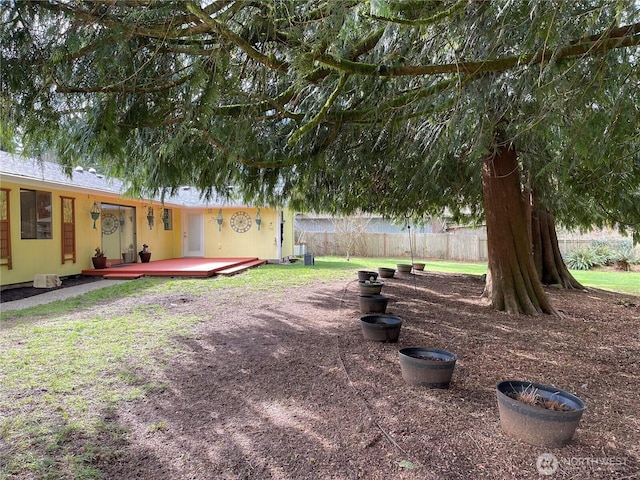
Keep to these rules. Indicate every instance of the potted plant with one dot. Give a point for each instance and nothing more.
(538, 414)
(99, 259)
(145, 254)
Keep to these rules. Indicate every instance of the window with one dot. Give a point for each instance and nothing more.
(5, 228)
(35, 214)
(68, 229)
(167, 219)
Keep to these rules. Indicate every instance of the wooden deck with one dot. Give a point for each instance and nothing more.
(177, 267)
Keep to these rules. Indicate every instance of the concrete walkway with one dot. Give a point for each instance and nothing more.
(59, 294)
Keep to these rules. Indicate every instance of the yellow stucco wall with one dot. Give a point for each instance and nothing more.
(35, 256)
(262, 243)
(44, 256)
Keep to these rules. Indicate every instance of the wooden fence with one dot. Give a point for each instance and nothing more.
(437, 246)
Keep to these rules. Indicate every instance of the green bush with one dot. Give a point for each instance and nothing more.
(603, 252)
(581, 259)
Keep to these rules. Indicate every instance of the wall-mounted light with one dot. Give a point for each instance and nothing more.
(219, 220)
(150, 217)
(258, 218)
(95, 214)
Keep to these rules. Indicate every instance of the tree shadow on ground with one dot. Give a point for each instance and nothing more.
(287, 388)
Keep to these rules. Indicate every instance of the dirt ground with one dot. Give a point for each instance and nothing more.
(283, 386)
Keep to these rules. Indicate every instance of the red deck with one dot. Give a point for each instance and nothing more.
(177, 267)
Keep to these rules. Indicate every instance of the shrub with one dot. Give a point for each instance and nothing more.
(626, 256)
(603, 252)
(581, 259)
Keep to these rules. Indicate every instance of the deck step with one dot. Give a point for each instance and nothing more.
(122, 276)
(240, 268)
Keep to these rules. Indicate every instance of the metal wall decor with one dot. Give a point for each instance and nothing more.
(95, 214)
(150, 217)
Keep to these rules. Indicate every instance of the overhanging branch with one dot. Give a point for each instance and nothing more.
(622, 37)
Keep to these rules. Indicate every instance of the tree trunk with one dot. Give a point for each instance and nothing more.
(512, 279)
(546, 254)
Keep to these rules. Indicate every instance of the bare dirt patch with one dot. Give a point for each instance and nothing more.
(281, 385)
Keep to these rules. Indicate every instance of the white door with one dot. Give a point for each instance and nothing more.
(193, 235)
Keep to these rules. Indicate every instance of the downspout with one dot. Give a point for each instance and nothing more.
(279, 214)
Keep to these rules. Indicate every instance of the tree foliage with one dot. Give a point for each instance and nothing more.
(342, 105)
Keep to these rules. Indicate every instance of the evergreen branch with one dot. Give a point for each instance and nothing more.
(161, 31)
(602, 43)
(367, 43)
(221, 29)
(422, 21)
(322, 12)
(321, 114)
(234, 157)
(397, 102)
(60, 88)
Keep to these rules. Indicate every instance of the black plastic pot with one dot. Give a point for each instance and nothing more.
(370, 288)
(535, 424)
(428, 367)
(367, 275)
(381, 328)
(373, 303)
(404, 267)
(144, 257)
(386, 272)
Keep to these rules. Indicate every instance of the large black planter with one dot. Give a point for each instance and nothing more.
(144, 257)
(536, 424)
(428, 367)
(381, 328)
(404, 267)
(364, 275)
(370, 288)
(386, 272)
(373, 303)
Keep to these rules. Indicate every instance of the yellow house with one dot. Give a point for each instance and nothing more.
(51, 223)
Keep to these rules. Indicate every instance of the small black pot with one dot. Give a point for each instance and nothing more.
(364, 275)
(534, 424)
(145, 257)
(381, 328)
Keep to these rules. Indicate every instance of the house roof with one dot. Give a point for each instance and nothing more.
(40, 173)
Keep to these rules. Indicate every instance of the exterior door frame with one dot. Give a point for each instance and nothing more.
(193, 234)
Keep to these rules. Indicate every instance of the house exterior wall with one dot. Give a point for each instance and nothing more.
(44, 256)
(227, 242)
(126, 227)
